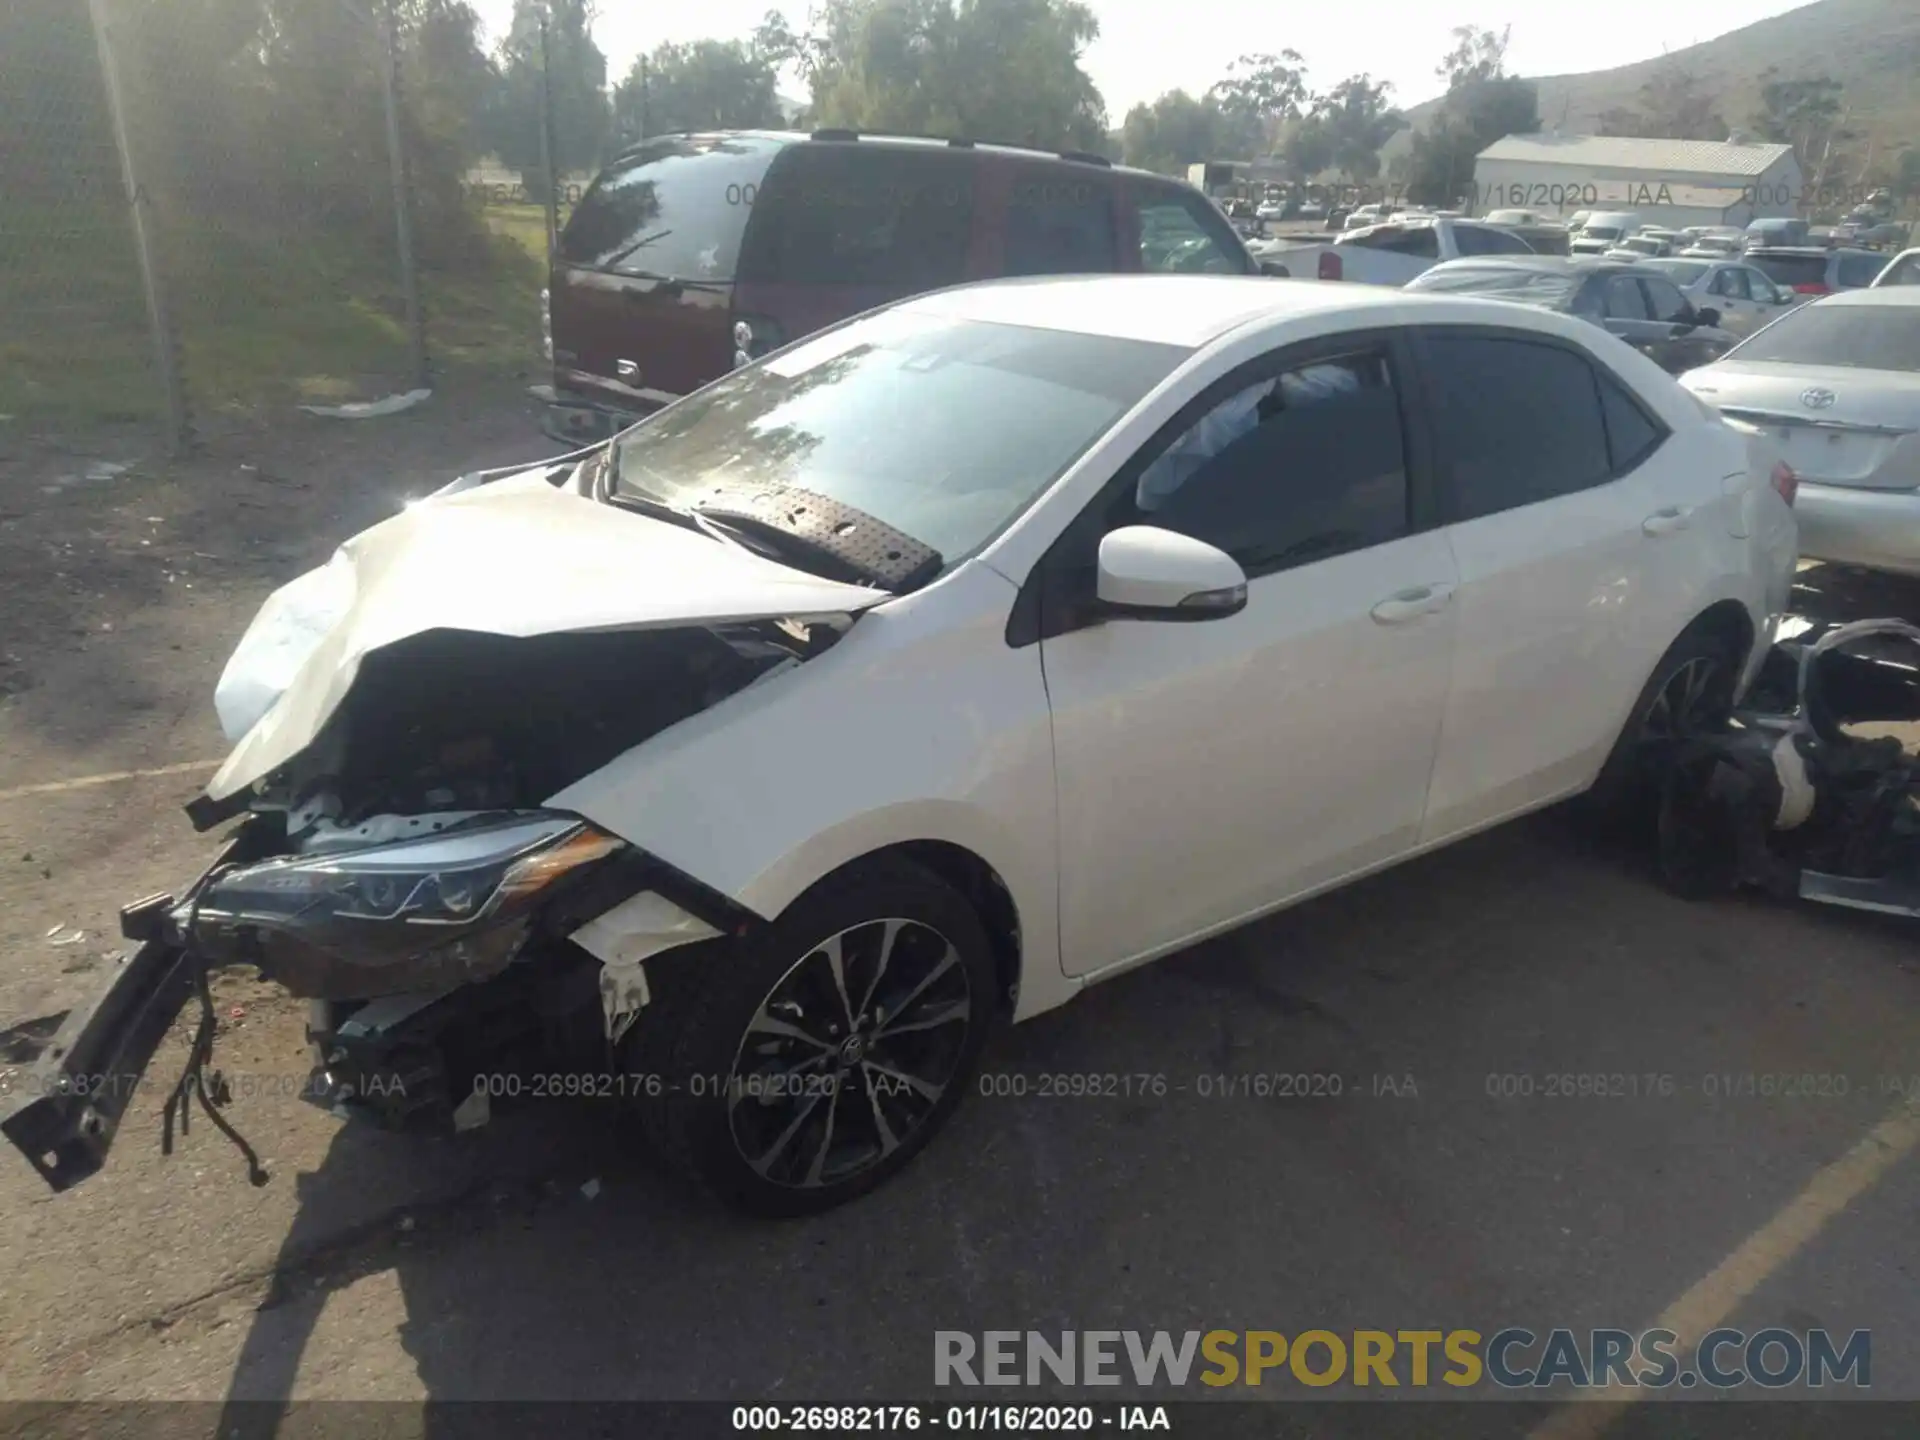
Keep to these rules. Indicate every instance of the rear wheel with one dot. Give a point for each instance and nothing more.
(1690, 693)
(798, 1070)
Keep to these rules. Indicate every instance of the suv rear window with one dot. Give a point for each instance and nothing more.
(897, 220)
(675, 208)
(1791, 269)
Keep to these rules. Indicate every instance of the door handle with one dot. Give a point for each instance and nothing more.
(1665, 522)
(1412, 604)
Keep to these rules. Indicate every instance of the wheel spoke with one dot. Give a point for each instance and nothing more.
(837, 966)
(914, 1083)
(888, 936)
(945, 1015)
(889, 1142)
(765, 1024)
(819, 1165)
(765, 1162)
(946, 963)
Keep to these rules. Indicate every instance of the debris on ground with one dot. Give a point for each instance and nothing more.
(369, 409)
(472, 1112)
(1790, 798)
(98, 471)
(591, 1189)
(65, 935)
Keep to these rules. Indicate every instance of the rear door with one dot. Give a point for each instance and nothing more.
(842, 226)
(1580, 525)
(1687, 342)
(643, 284)
(1626, 313)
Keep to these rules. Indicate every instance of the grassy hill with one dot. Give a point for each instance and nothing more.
(1871, 46)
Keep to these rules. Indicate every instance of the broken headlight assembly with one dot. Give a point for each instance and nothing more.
(418, 914)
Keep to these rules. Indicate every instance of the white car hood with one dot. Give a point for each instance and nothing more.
(516, 557)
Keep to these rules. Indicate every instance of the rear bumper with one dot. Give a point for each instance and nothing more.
(1875, 529)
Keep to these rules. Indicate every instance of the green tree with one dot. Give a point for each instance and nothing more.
(1354, 119)
(1170, 133)
(1483, 103)
(1478, 55)
(576, 90)
(705, 85)
(1001, 70)
(1262, 93)
(1674, 104)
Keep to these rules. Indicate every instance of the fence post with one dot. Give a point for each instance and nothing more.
(179, 424)
(547, 146)
(402, 216)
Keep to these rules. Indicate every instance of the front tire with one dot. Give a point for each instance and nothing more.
(791, 1072)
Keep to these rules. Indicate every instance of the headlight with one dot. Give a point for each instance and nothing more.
(416, 915)
(294, 620)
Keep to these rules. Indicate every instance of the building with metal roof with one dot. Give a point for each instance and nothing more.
(1663, 182)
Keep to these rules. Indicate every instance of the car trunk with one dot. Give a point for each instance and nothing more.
(1861, 436)
(642, 292)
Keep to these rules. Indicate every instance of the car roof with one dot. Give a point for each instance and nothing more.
(1189, 311)
(1903, 295)
(827, 139)
(1546, 264)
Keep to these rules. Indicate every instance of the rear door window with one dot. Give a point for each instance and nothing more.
(1668, 304)
(1518, 422)
(1180, 232)
(1625, 299)
(673, 209)
(1058, 224)
(894, 220)
(1859, 271)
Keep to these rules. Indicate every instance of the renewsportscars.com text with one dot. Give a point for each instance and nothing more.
(1513, 1358)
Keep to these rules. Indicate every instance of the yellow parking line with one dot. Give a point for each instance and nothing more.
(51, 787)
(1711, 1301)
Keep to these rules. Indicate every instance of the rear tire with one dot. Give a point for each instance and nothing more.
(792, 1072)
(1689, 693)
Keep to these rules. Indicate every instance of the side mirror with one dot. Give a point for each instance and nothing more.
(1709, 317)
(1274, 267)
(1147, 573)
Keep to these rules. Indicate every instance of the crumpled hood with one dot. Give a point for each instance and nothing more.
(516, 557)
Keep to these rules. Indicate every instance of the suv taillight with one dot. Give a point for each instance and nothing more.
(1330, 268)
(1785, 481)
(754, 336)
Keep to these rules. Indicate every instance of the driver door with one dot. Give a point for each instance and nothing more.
(1209, 771)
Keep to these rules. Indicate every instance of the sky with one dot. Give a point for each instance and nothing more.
(1147, 47)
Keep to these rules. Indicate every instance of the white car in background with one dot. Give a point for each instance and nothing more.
(930, 670)
(1837, 382)
(1743, 296)
(1903, 269)
(1640, 247)
(1715, 245)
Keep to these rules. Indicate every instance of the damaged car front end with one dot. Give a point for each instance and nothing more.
(401, 718)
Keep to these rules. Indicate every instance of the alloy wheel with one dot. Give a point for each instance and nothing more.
(850, 1053)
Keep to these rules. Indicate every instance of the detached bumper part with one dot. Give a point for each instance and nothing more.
(80, 1088)
(1786, 800)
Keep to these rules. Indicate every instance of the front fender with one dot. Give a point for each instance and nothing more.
(920, 724)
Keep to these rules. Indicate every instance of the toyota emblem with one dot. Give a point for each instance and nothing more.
(1817, 398)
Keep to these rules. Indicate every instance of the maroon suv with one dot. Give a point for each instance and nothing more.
(693, 254)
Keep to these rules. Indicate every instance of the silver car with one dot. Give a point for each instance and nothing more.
(1837, 381)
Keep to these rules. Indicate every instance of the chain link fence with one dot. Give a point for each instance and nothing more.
(219, 210)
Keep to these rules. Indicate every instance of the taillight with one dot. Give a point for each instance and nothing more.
(1329, 265)
(1816, 289)
(1785, 482)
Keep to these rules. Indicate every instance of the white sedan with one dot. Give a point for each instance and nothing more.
(1838, 382)
(1903, 269)
(1742, 295)
(755, 765)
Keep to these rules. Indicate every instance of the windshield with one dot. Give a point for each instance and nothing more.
(1862, 337)
(944, 429)
(1501, 282)
(1681, 272)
